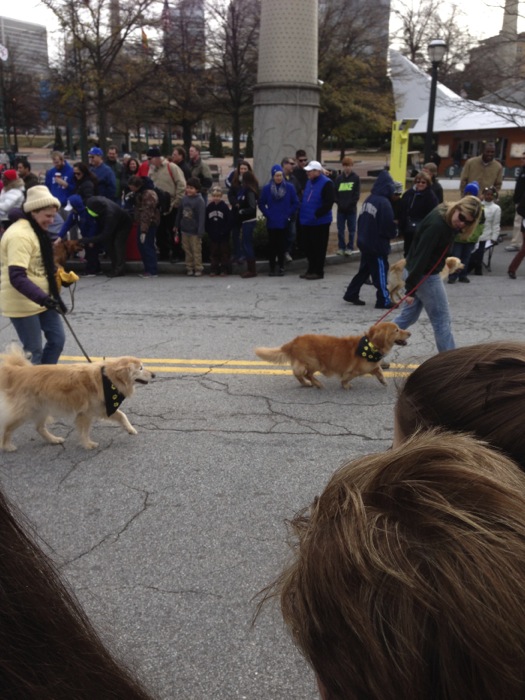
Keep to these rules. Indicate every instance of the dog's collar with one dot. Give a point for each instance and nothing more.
(112, 396)
(368, 350)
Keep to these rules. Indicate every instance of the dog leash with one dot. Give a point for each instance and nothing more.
(75, 335)
(412, 291)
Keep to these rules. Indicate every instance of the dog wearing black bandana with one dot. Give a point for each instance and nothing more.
(347, 357)
(86, 391)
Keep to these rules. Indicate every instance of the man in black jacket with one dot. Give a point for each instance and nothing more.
(519, 190)
(114, 225)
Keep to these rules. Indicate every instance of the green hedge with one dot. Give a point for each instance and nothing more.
(508, 209)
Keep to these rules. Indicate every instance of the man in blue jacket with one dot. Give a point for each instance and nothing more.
(315, 217)
(375, 229)
(107, 183)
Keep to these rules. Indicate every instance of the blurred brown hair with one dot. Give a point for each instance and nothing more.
(407, 575)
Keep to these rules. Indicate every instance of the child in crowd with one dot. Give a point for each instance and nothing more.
(190, 223)
(490, 230)
(406, 579)
(347, 191)
(218, 227)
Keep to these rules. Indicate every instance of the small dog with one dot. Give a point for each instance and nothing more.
(347, 357)
(396, 283)
(64, 249)
(87, 391)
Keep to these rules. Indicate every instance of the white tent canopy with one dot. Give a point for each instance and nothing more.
(453, 113)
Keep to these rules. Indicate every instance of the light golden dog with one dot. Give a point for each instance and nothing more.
(87, 391)
(347, 357)
(396, 283)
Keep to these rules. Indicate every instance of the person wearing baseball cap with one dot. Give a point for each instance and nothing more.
(60, 180)
(29, 295)
(315, 216)
(106, 181)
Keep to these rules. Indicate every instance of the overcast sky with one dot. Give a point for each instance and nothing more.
(483, 18)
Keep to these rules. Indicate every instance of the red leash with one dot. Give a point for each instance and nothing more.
(412, 291)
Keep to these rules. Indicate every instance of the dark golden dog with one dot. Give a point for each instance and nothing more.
(86, 391)
(347, 357)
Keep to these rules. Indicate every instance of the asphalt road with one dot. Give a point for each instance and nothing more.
(167, 536)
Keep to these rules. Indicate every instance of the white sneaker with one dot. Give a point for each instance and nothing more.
(340, 252)
(288, 257)
(198, 273)
(511, 248)
(190, 273)
(348, 251)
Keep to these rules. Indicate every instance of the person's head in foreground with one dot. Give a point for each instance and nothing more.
(408, 575)
(477, 389)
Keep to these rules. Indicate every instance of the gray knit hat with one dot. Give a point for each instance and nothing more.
(39, 197)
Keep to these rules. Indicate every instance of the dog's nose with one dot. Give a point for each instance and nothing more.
(153, 375)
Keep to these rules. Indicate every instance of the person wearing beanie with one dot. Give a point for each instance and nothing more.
(59, 179)
(347, 191)
(113, 228)
(278, 203)
(106, 181)
(462, 248)
(147, 218)
(29, 295)
(12, 195)
(80, 219)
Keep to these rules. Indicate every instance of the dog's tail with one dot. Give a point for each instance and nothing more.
(275, 355)
(14, 355)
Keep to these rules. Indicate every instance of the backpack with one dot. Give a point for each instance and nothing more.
(164, 201)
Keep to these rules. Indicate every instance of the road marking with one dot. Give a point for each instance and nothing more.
(194, 366)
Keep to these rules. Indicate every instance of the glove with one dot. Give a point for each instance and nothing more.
(51, 304)
(176, 239)
(142, 238)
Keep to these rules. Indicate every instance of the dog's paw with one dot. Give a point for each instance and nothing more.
(131, 430)
(90, 445)
(9, 447)
(55, 440)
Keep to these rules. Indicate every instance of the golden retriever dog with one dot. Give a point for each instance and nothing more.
(347, 357)
(87, 391)
(396, 283)
(64, 249)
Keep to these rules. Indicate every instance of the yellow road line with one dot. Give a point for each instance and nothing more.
(184, 366)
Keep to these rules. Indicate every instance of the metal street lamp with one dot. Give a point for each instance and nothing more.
(436, 52)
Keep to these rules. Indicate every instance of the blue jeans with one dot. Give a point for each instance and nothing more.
(248, 227)
(342, 221)
(147, 250)
(432, 297)
(30, 328)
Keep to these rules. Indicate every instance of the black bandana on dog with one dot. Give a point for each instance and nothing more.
(368, 350)
(112, 396)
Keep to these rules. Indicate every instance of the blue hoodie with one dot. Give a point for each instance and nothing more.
(376, 225)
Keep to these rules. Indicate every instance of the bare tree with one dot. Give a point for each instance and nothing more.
(233, 52)
(96, 39)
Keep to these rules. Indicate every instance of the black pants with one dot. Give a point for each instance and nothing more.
(116, 247)
(164, 237)
(276, 246)
(315, 243)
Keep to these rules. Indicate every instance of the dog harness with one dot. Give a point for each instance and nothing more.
(368, 350)
(112, 396)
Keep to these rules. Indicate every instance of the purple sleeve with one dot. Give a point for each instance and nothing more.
(20, 281)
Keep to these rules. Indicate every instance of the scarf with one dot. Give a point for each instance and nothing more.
(46, 251)
(278, 191)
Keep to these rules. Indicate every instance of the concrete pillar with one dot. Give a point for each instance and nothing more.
(286, 99)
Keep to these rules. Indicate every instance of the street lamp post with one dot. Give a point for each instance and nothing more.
(436, 51)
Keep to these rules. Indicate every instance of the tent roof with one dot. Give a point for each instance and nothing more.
(453, 113)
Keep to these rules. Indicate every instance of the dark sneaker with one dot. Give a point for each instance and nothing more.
(384, 306)
(356, 301)
(465, 280)
(512, 275)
